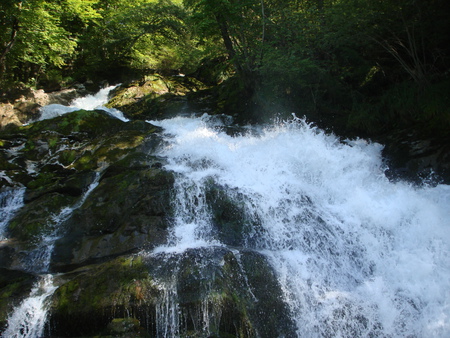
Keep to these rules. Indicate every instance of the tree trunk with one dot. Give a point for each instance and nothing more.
(9, 45)
(227, 41)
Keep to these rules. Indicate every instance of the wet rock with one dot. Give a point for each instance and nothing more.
(418, 158)
(58, 159)
(122, 326)
(126, 212)
(211, 292)
(34, 219)
(89, 299)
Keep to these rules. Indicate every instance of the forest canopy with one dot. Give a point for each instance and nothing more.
(376, 62)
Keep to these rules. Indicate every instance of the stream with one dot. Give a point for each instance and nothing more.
(354, 254)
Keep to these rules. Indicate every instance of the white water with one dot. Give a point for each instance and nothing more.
(89, 102)
(10, 201)
(28, 319)
(355, 254)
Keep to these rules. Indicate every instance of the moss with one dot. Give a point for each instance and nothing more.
(120, 326)
(116, 289)
(154, 95)
(53, 142)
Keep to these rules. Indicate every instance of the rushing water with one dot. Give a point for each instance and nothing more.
(355, 254)
(28, 319)
(11, 200)
(89, 102)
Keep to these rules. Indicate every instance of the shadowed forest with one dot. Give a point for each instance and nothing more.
(365, 66)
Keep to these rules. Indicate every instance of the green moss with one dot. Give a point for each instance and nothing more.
(67, 157)
(123, 282)
(53, 142)
(30, 145)
(14, 285)
(42, 180)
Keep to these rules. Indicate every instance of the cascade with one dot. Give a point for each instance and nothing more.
(89, 102)
(28, 319)
(11, 200)
(355, 254)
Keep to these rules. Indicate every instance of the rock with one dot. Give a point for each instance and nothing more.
(89, 299)
(201, 292)
(57, 160)
(8, 116)
(128, 211)
(121, 326)
(25, 103)
(155, 96)
(416, 158)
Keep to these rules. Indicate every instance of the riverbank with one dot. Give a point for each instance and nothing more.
(410, 153)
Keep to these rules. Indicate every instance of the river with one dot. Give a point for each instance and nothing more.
(354, 254)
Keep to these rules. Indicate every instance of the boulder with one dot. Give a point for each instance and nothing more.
(155, 96)
(25, 103)
(57, 160)
(417, 158)
(211, 292)
(128, 211)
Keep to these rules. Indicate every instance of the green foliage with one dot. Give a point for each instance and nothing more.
(381, 62)
(136, 34)
(40, 40)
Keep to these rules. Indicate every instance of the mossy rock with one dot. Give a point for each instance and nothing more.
(127, 211)
(96, 296)
(50, 150)
(210, 292)
(217, 296)
(122, 326)
(66, 182)
(154, 96)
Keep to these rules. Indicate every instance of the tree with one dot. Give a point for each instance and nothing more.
(36, 38)
(240, 24)
(9, 12)
(134, 34)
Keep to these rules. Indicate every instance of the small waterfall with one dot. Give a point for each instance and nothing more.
(28, 319)
(89, 102)
(167, 311)
(38, 260)
(355, 254)
(11, 200)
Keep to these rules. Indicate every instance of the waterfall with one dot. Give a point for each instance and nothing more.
(11, 200)
(38, 259)
(28, 319)
(355, 254)
(89, 102)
